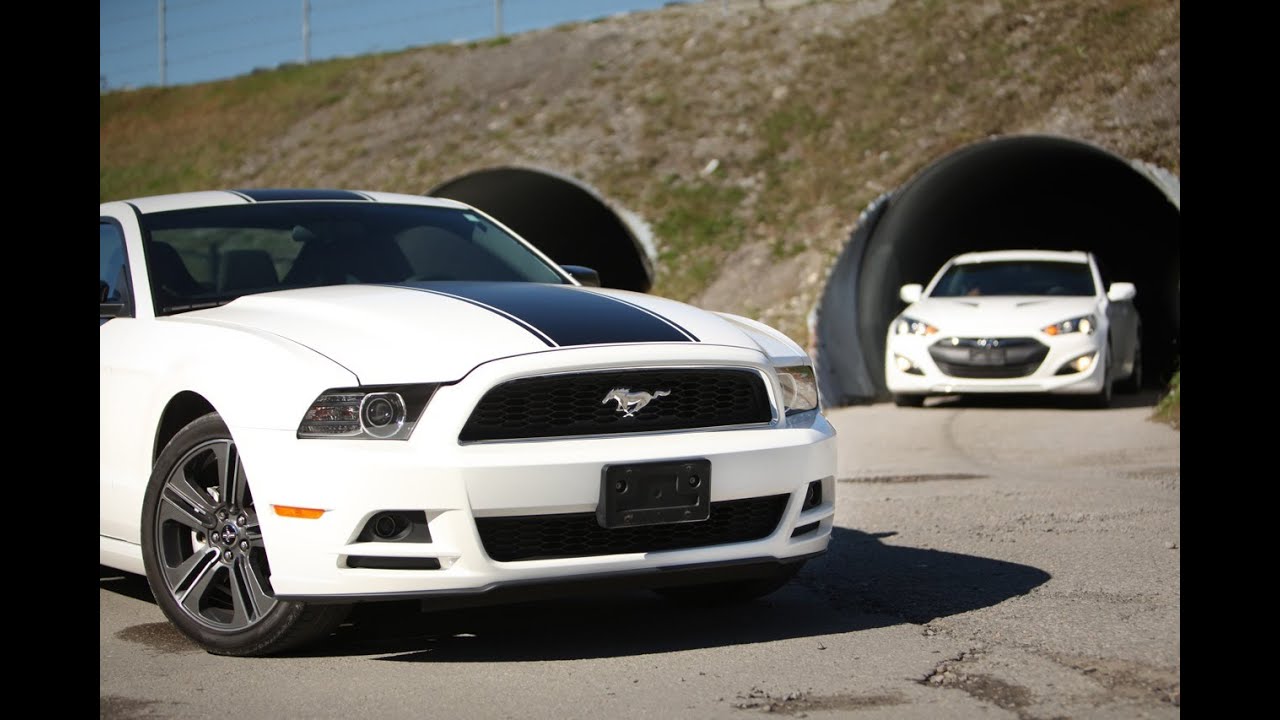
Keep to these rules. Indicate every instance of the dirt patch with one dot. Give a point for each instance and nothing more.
(1127, 679)
(873, 479)
(1165, 476)
(114, 707)
(797, 703)
(158, 636)
(988, 688)
(1122, 680)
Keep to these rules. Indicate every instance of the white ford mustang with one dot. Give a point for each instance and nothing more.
(312, 398)
(1015, 321)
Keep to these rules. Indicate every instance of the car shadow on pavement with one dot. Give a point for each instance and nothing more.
(861, 583)
(1143, 398)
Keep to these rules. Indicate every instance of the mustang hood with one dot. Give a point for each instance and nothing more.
(998, 315)
(439, 331)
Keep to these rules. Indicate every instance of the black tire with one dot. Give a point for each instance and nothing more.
(204, 555)
(733, 592)
(908, 400)
(1133, 383)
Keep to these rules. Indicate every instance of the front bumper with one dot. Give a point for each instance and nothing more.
(453, 484)
(931, 380)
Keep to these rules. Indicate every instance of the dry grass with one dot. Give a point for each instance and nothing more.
(1169, 409)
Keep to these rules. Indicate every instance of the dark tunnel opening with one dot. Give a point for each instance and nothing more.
(563, 218)
(1032, 192)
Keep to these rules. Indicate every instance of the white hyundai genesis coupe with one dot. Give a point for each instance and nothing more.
(1015, 321)
(313, 398)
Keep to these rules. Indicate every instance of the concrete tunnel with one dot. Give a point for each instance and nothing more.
(1042, 192)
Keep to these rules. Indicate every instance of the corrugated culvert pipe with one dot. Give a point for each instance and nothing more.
(1019, 192)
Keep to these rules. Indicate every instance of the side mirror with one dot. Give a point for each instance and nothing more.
(584, 275)
(911, 292)
(109, 308)
(1122, 291)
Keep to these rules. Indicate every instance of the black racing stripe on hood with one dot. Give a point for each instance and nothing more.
(563, 315)
(270, 194)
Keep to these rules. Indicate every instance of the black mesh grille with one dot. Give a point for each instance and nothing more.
(538, 537)
(988, 357)
(566, 405)
(977, 371)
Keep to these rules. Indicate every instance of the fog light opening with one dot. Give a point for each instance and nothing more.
(390, 526)
(905, 365)
(812, 496)
(399, 526)
(1078, 365)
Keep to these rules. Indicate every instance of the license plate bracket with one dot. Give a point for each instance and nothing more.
(986, 356)
(655, 493)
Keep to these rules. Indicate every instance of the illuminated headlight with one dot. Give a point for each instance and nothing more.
(1085, 324)
(799, 389)
(1078, 365)
(911, 326)
(380, 413)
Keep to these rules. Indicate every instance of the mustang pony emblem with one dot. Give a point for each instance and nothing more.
(630, 403)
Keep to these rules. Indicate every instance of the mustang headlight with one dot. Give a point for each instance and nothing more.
(799, 388)
(911, 326)
(380, 413)
(1086, 324)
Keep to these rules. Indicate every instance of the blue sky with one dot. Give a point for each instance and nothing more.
(215, 39)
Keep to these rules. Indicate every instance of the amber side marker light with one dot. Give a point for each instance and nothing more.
(297, 512)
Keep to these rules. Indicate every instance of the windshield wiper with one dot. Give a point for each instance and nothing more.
(170, 309)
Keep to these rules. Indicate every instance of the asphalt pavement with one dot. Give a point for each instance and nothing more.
(991, 559)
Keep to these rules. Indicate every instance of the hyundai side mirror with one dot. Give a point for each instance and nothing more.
(584, 275)
(1122, 291)
(911, 292)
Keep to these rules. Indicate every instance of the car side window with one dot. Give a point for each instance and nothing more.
(114, 297)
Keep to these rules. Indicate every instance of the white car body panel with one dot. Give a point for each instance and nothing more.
(261, 360)
(1000, 317)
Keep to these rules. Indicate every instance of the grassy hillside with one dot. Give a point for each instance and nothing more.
(1169, 408)
(810, 110)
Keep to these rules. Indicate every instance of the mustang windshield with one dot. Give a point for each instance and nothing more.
(209, 256)
(1021, 277)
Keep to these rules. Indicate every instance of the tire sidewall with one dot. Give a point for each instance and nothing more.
(277, 621)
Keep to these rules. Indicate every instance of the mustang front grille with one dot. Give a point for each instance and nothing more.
(988, 357)
(624, 401)
(541, 537)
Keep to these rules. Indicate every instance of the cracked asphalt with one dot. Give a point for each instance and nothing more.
(991, 559)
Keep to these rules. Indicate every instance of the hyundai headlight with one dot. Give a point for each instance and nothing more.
(911, 326)
(1086, 324)
(377, 413)
(799, 388)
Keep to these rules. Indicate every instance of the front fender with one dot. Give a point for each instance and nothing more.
(253, 380)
